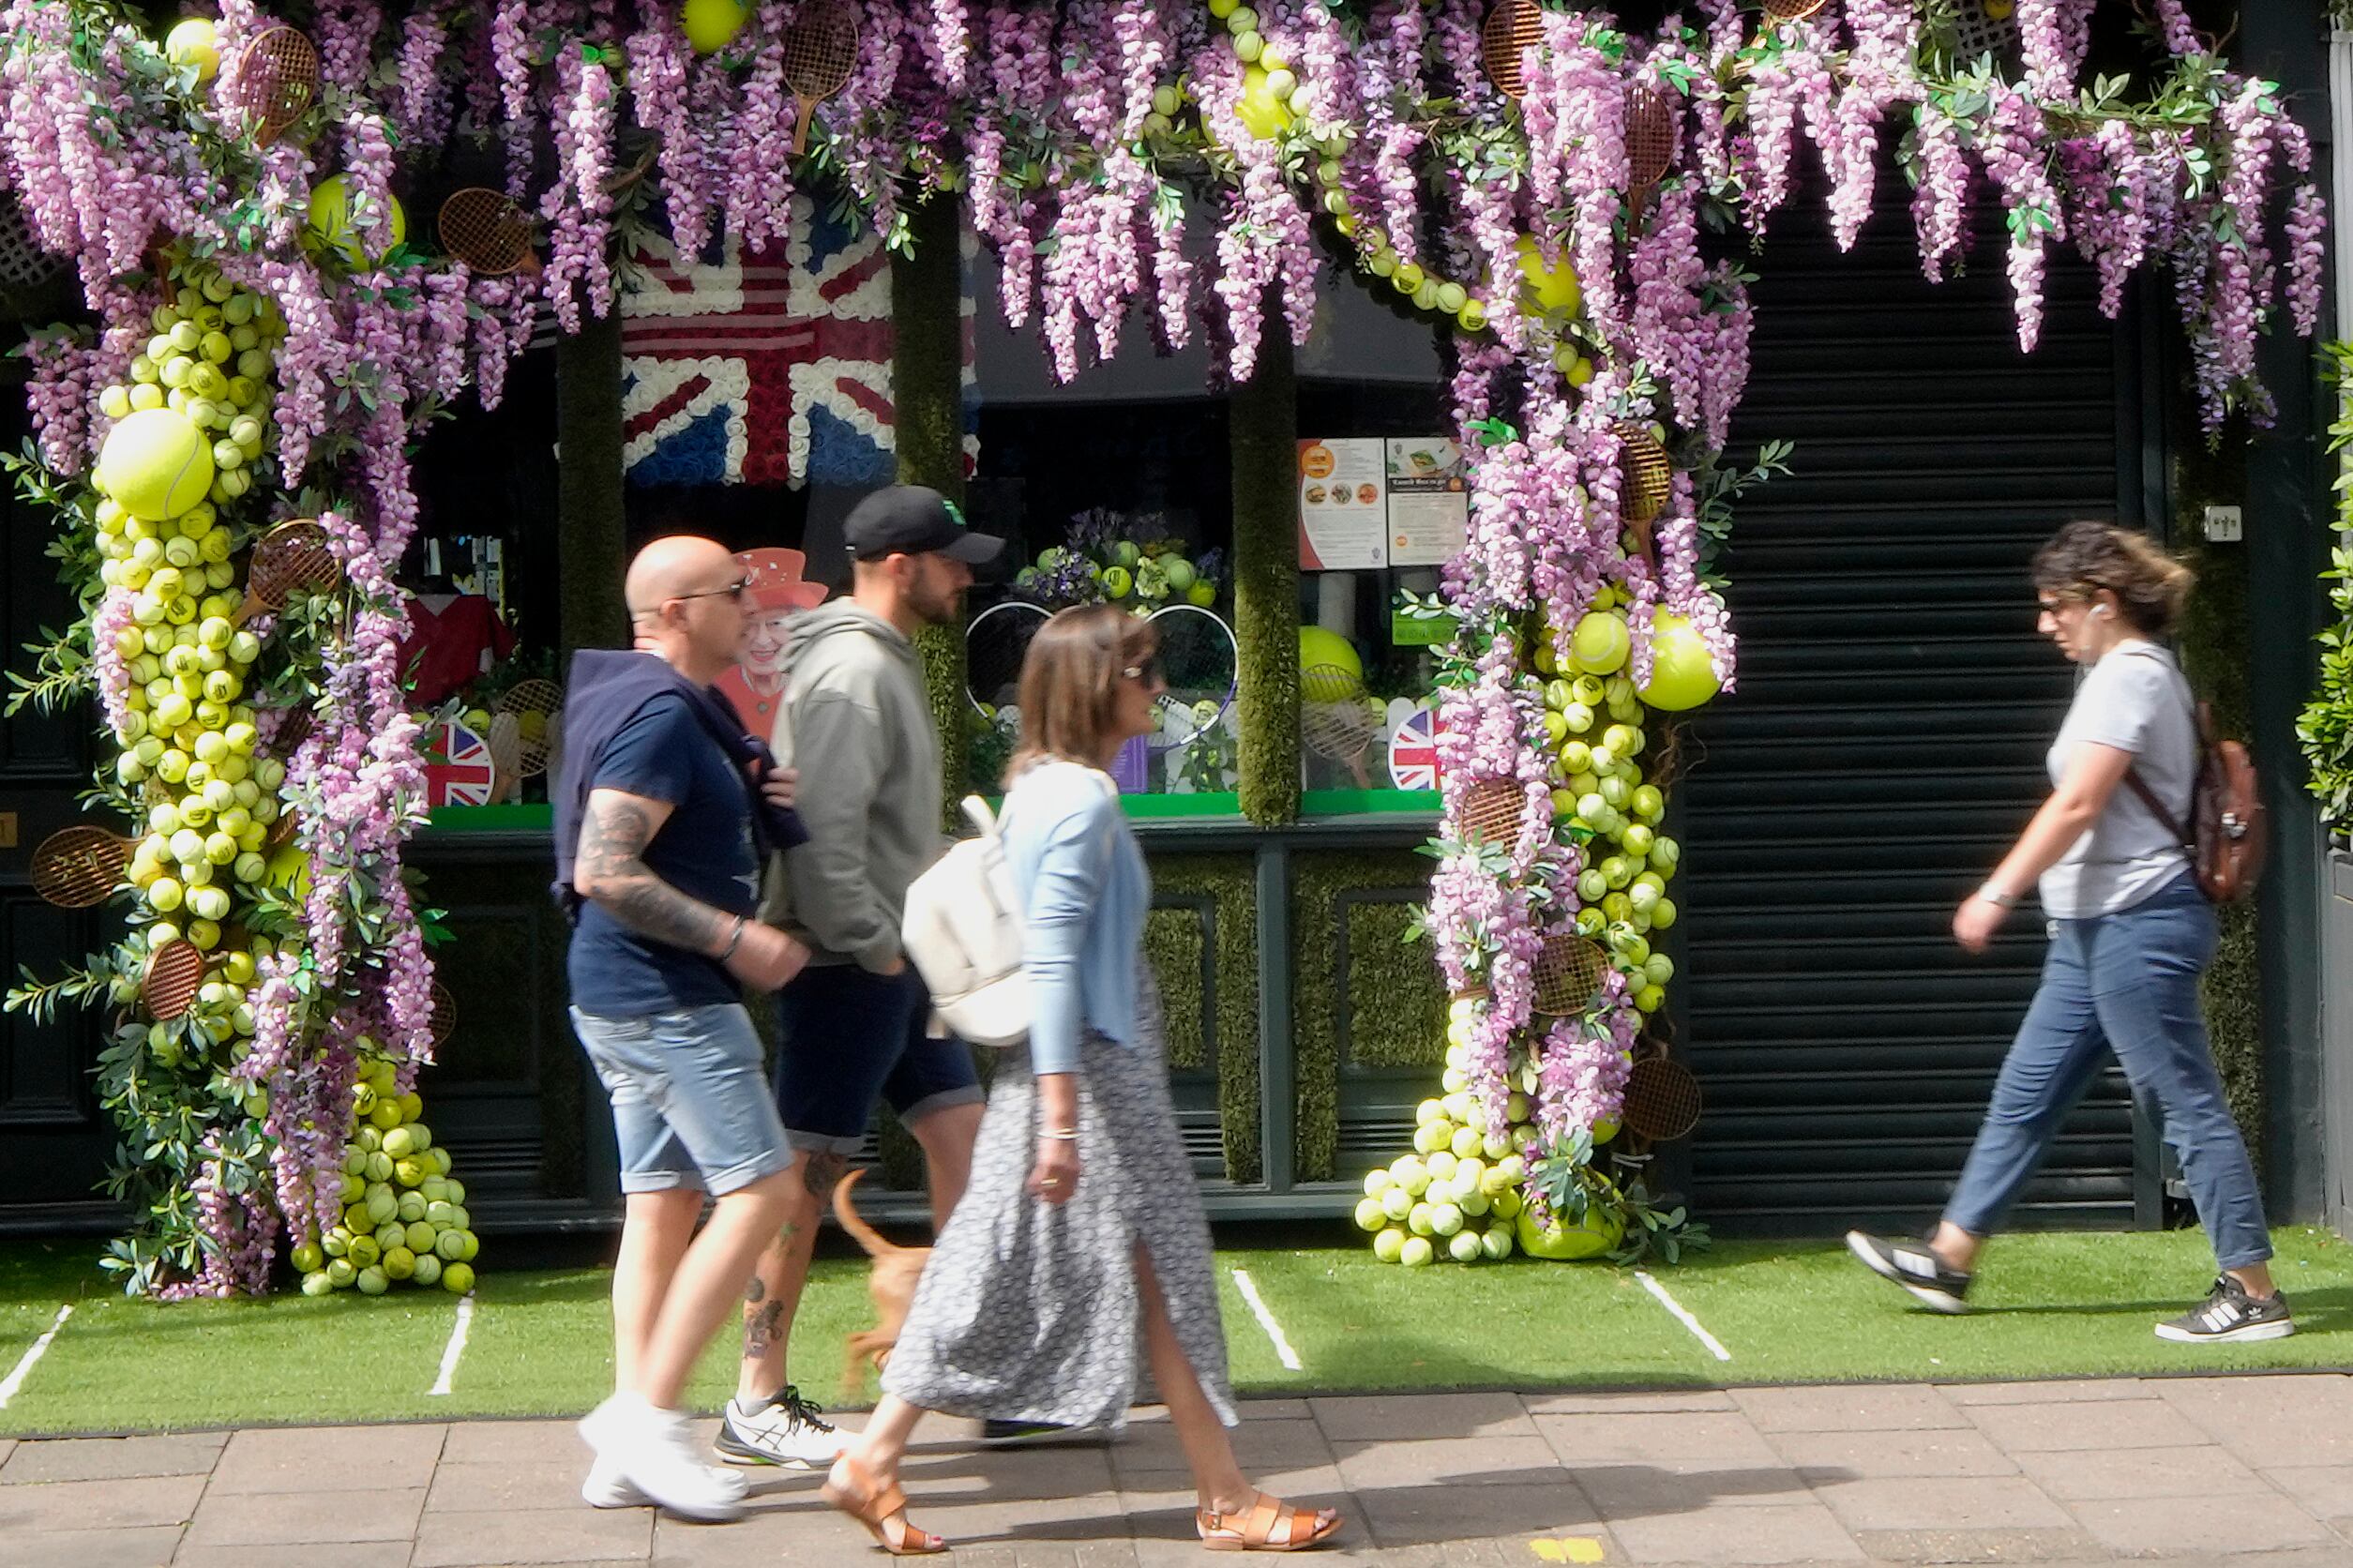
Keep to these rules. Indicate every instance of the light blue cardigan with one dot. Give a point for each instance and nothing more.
(1081, 880)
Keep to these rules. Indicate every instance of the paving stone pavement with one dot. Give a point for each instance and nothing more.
(2245, 1472)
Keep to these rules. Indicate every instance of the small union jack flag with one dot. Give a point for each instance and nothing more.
(457, 770)
(1413, 751)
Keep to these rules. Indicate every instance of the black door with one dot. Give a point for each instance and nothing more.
(54, 1140)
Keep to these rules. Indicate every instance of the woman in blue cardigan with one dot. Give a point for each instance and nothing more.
(1082, 1225)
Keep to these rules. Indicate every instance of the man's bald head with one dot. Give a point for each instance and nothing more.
(676, 567)
(683, 604)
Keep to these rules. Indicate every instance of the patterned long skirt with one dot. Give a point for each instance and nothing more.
(1030, 1311)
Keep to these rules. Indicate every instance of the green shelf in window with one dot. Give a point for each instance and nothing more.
(494, 819)
(1367, 803)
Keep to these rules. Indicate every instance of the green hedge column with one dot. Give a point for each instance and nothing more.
(593, 552)
(927, 390)
(1265, 441)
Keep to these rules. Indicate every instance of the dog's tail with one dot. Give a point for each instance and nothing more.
(875, 1243)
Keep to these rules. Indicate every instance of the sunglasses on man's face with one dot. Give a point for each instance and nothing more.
(735, 590)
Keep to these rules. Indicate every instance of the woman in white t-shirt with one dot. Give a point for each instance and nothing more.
(2130, 934)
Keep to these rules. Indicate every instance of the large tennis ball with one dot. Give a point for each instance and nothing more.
(331, 227)
(194, 42)
(1681, 674)
(712, 25)
(1601, 642)
(1261, 108)
(1552, 290)
(156, 464)
(1322, 649)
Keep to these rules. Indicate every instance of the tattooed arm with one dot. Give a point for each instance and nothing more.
(610, 870)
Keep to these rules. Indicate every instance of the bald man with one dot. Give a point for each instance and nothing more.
(663, 820)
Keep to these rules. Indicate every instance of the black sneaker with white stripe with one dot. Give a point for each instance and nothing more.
(2229, 1316)
(1910, 1264)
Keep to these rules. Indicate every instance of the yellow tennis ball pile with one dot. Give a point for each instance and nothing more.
(1593, 723)
(404, 1216)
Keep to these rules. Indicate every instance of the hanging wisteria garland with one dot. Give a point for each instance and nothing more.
(1095, 139)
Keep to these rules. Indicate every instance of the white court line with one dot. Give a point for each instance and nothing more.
(1683, 1316)
(456, 1348)
(1283, 1352)
(41, 1348)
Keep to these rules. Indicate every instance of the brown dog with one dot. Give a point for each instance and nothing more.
(891, 1283)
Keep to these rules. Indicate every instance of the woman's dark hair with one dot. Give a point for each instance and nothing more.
(2087, 557)
(1070, 680)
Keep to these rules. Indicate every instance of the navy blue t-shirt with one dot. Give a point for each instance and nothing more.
(704, 850)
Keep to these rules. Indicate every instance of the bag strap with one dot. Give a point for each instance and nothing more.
(2201, 750)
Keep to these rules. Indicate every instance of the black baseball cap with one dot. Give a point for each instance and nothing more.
(915, 520)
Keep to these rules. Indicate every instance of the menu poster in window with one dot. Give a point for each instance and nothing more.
(1343, 505)
(1429, 502)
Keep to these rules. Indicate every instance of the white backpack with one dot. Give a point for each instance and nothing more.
(962, 931)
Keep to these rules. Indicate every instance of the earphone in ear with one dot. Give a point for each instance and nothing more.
(2099, 610)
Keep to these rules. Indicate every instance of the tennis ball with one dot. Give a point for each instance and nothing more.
(1463, 1246)
(398, 1262)
(307, 1259)
(1681, 674)
(426, 1269)
(1389, 1245)
(331, 229)
(1552, 290)
(340, 1274)
(373, 1282)
(317, 1283)
(155, 463)
(712, 25)
(400, 1142)
(457, 1278)
(1261, 108)
(1601, 642)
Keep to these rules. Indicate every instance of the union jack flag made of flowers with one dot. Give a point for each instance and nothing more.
(761, 367)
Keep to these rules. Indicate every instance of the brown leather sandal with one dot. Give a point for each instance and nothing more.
(1254, 1530)
(875, 1510)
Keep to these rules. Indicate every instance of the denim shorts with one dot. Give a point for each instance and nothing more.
(691, 1105)
(852, 1038)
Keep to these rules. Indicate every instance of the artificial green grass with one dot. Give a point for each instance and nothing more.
(2049, 1306)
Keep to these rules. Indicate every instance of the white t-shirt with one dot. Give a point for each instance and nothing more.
(2134, 699)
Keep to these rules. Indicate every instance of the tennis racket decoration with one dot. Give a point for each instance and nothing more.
(1333, 721)
(1492, 810)
(1201, 662)
(1512, 28)
(487, 230)
(78, 867)
(821, 51)
(1977, 30)
(1778, 11)
(293, 558)
(536, 705)
(22, 262)
(1568, 973)
(1648, 485)
(995, 645)
(278, 81)
(444, 1017)
(174, 974)
(1662, 1100)
(1650, 148)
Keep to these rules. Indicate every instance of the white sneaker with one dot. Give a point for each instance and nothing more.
(784, 1430)
(652, 1451)
(607, 1487)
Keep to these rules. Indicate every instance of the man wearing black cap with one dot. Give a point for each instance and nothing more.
(855, 719)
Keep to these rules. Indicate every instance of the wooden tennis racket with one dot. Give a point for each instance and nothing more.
(487, 230)
(174, 974)
(1512, 28)
(1662, 1100)
(278, 81)
(294, 557)
(544, 698)
(1568, 975)
(78, 867)
(821, 51)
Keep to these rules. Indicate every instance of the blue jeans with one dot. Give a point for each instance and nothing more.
(2125, 981)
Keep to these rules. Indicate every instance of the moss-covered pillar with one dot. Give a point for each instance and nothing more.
(593, 548)
(1264, 436)
(927, 391)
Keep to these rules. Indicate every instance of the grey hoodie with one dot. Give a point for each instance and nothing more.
(857, 721)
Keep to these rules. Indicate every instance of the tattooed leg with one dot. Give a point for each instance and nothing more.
(774, 1294)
